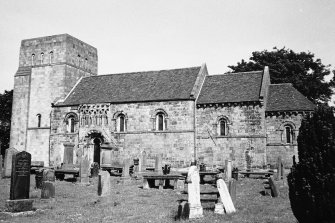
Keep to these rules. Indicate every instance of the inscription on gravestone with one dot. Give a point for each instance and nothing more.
(20, 177)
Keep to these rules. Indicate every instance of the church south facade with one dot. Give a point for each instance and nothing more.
(63, 111)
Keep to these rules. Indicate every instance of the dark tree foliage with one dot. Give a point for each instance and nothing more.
(312, 180)
(6, 100)
(286, 66)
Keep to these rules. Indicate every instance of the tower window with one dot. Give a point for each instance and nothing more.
(160, 121)
(288, 134)
(121, 121)
(71, 123)
(32, 59)
(38, 120)
(51, 57)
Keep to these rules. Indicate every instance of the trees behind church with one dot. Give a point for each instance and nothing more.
(6, 100)
(306, 73)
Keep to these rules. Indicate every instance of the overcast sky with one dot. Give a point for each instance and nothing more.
(143, 35)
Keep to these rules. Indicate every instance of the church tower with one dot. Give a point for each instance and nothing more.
(49, 67)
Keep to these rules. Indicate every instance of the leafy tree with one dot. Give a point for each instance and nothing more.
(312, 180)
(286, 66)
(6, 100)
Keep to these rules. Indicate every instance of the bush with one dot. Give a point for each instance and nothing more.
(312, 180)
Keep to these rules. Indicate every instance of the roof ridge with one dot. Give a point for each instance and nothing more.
(226, 74)
(141, 72)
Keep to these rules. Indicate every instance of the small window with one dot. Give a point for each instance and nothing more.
(160, 122)
(32, 59)
(42, 58)
(51, 57)
(288, 134)
(222, 127)
(121, 123)
(71, 124)
(38, 120)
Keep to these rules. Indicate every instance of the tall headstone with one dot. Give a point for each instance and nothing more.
(232, 189)
(8, 161)
(143, 162)
(20, 183)
(105, 183)
(125, 169)
(225, 196)
(84, 170)
(193, 180)
(68, 153)
(228, 169)
(158, 164)
(279, 168)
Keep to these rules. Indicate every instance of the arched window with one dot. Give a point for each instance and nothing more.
(71, 119)
(32, 59)
(42, 58)
(222, 130)
(38, 120)
(121, 123)
(51, 57)
(160, 121)
(288, 134)
(71, 124)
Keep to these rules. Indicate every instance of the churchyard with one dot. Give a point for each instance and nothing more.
(127, 201)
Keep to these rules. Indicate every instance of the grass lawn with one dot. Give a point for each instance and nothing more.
(131, 203)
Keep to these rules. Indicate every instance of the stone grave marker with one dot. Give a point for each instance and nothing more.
(20, 183)
(125, 169)
(180, 185)
(193, 180)
(95, 169)
(279, 169)
(8, 161)
(158, 164)
(105, 183)
(68, 153)
(225, 196)
(49, 175)
(84, 171)
(274, 189)
(228, 169)
(48, 190)
(232, 189)
(143, 162)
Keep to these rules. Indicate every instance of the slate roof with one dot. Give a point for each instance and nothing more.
(284, 97)
(162, 85)
(232, 87)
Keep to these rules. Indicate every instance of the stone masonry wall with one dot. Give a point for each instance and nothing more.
(246, 132)
(276, 145)
(176, 143)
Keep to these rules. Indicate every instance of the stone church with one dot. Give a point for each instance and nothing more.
(63, 110)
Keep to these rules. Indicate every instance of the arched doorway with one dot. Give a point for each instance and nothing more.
(97, 150)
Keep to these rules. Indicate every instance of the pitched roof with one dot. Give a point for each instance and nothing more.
(233, 87)
(284, 97)
(160, 85)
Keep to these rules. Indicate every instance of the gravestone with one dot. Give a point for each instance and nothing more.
(143, 162)
(225, 196)
(84, 170)
(180, 185)
(105, 183)
(20, 183)
(279, 169)
(274, 188)
(228, 169)
(95, 169)
(48, 190)
(8, 161)
(68, 153)
(193, 180)
(49, 175)
(232, 189)
(125, 169)
(158, 164)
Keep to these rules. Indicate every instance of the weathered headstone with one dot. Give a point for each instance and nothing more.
(274, 189)
(99, 185)
(0, 166)
(193, 180)
(180, 185)
(105, 183)
(279, 168)
(48, 190)
(225, 196)
(143, 162)
(49, 175)
(95, 169)
(8, 161)
(228, 169)
(158, 164)
(125, 169)
(84, 171)
(20, 183)
(232, 189)
(68, 153)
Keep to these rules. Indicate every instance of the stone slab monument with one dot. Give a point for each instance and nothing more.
(48, 190)
(84, 171)
(20, 183)
(158, 164)
(105, 183)
(8, 161)
(193, 180)
(225, 196)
